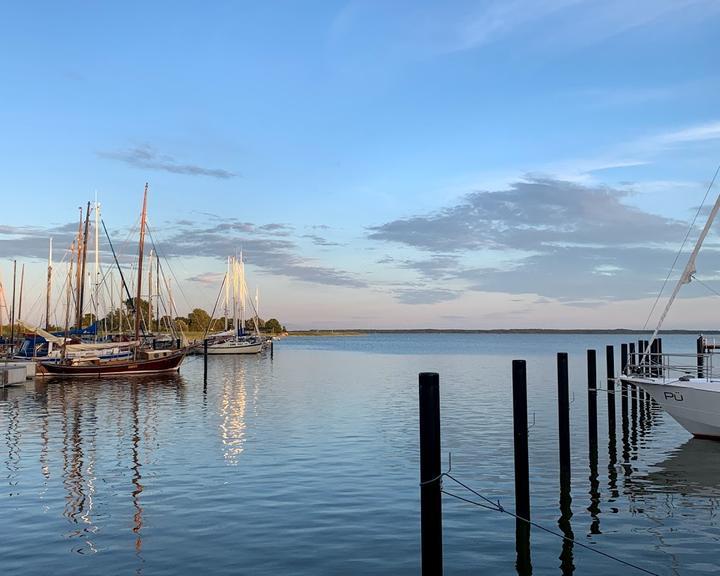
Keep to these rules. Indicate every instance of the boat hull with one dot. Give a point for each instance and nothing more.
(170, 363)
(235, 348)
(693, 403)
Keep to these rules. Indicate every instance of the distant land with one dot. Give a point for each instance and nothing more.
(359, 332)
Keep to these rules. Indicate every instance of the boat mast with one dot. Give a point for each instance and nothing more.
(227, 292)
(77, 265)
(48, 289)
(234, 297)
(97, 261)
(257, 310)
(687, 274)
(157, 290)
(68, 289)
(12, 312)
(112, 300)
(140, 263)
(81, 288)
(22, 284)
(150, 290)
(243, 292)
(3, 303)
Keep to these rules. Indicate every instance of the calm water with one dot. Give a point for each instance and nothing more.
(308, 464)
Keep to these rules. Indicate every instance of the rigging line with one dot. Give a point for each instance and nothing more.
(122, 277)
(692, 224)
(212, 316)
(498, 508)
(705, 285)
(177, 282)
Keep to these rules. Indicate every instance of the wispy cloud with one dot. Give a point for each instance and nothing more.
(425, 295)
(688, 135)
(554, 238)
(147, 158)
(268, 247)
(319, 240)
(207, 278)
(592, 20)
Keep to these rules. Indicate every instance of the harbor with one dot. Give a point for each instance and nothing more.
(360, 288)
(320, 459)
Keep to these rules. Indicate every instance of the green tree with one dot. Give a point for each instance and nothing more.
(199, 320)
(273, 326)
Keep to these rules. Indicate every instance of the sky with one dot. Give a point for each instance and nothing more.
(404, 164)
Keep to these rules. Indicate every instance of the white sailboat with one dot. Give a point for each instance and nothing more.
(235, 341)
(683, 384)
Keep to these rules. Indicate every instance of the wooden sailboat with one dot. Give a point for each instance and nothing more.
(144, 361)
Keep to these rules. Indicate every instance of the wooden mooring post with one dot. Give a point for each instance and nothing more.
(592, 399)
(700, 356)
(564, 419)
(633, 388)
(430, 487)
(522, 468)
(610, 371)
(623, 385)
(205, 346)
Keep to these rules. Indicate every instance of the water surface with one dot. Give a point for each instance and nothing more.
(308, 464)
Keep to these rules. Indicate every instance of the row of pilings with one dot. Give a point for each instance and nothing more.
(635, 410)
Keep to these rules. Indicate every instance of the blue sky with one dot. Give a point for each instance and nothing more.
(357, 151)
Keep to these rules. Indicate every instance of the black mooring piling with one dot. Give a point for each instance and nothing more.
(205, 346)
(655, 358)
(700, 356)
(430, 487)
(645, 363)
(520, 428)
(564, 420)
(634, 363)
(592, 399)
(610, 370)
(272, 349)
(623, 385)
(522, 469)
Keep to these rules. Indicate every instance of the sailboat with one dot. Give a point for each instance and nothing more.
(143, 360)
(236, 341)
(683, 384)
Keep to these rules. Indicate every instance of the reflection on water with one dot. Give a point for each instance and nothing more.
(692, 469)
(309, 465)
(232, 411)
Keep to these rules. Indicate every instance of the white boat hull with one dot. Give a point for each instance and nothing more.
(694, 403)
(235, 348)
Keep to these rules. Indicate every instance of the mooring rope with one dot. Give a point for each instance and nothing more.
(495, 506)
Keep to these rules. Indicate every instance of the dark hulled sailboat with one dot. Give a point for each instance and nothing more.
(144, 361)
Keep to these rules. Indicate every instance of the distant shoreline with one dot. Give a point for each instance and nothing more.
(363, 332)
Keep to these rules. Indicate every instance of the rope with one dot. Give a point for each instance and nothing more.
(687, 235)
(489, 504)
(705, 285)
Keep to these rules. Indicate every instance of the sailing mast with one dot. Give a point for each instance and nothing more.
(140, 263)
(22, 283)
(150, 290)
(48, 289)
(243, 294)
(227, 292)
(81, 274)
(78, 268)
(97, 261)
(12, 312)
(68, 289)
(687, 274)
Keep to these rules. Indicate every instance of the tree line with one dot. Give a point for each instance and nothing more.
(198, 320)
